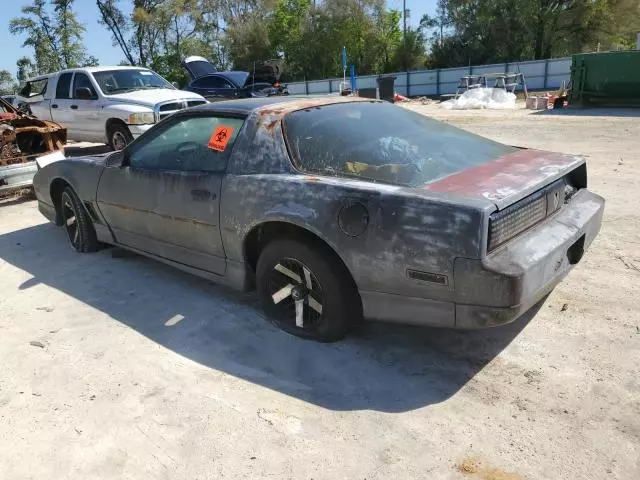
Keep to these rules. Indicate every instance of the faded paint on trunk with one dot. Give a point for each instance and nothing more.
(510, 178)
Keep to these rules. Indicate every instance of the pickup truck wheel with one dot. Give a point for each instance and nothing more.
(119, 136)
(77, 223)
(305, 292)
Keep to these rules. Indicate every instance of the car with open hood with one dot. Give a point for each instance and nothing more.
(336, 209)
(225, 85)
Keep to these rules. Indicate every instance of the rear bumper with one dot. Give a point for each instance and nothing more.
(508, 282)
(13, 177)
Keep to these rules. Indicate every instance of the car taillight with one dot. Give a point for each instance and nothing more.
(511, 221)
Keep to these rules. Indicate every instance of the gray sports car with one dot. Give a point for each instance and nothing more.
(336, 210)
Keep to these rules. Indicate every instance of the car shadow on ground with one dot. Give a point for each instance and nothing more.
(382, 367)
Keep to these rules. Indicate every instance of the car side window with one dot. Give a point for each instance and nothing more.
(64, 85)
(82, 80)
(191, 144)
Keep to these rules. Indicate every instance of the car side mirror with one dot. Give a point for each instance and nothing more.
(119, 159)
(126, 158)
(84, 93)
(176, 84)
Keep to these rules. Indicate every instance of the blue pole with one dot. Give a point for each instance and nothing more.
(353, 78)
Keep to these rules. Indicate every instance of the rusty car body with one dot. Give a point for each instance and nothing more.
(23, 138)
(336, 209)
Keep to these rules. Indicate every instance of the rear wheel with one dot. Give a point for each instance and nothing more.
(77, 223)
(119, 136)
(306, 291)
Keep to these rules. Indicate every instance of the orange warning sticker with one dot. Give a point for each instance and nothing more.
(220, 138)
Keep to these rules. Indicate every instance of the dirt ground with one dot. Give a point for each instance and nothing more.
(122, 368)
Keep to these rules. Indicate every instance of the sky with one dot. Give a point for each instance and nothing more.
(97, 39)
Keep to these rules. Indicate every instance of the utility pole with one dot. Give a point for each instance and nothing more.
(404, 33)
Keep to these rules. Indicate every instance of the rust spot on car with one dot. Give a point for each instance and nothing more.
(310, 179)
(271, 126)
(506, 175)
(279, 110)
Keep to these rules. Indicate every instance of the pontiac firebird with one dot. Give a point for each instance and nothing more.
(336, 209)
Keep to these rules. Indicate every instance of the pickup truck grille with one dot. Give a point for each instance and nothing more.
(163, 110)
(515, 219)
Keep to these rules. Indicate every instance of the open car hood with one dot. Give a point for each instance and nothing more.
(265, 72)
(197, 66)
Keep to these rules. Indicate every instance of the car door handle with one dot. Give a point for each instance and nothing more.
(55, 105)
(202, 195)
(74, 107)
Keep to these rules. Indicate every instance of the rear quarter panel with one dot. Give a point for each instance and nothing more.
(405, 230)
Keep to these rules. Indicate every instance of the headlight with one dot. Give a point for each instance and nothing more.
(144, 118)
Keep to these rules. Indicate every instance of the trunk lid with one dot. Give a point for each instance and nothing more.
(509, 178)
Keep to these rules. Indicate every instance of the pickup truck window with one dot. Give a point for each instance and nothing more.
(183, 145)
(119, 81)
(82, 80)
(64, 85)
(34, 88)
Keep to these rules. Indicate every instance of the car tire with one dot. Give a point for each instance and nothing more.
(77, 223)
(288, 270)
(119, 136)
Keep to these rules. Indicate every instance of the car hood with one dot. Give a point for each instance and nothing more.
(268, 71)
(508, 178)
(151, 97)
(197, 66)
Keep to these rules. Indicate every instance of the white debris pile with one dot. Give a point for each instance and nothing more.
(481, 98)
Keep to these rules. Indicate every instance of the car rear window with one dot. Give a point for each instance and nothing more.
(382, 142)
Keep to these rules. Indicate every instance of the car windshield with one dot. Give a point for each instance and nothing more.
(239, 78)
(120, 81)
(382, 142)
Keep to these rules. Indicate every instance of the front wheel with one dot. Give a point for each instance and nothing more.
(306, 291)
(77, 223)
(119, 136)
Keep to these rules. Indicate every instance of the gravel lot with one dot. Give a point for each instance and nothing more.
(122, 368)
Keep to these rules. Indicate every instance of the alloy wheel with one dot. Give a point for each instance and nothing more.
(297, 293)
(71, 221)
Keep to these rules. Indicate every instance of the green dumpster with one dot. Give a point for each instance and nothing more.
(605, 79)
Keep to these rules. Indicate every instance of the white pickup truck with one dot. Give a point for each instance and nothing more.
(110, 105)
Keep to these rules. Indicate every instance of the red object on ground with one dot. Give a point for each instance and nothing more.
(399, 98)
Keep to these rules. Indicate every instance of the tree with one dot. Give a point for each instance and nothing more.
(440, 22)
(54, 32)
(7, 84)
(38, 27)
(489, 31)
(68, 33)
(112, 17)
(26, 69)
(411, 52)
